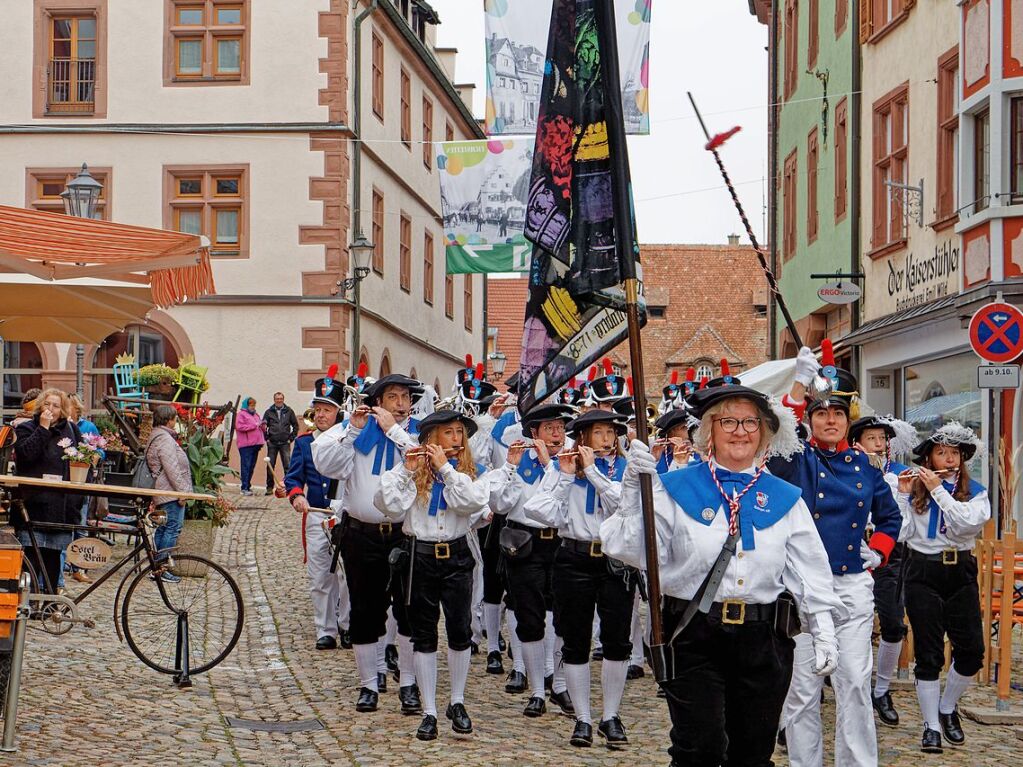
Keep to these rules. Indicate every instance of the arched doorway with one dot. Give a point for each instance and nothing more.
(385, 365)
(150, 346)
(23, 366)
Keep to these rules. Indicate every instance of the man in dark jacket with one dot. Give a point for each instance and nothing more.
(281, 429)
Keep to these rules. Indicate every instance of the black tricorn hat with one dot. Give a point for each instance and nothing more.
(702, 400)
(617, 420)
(394, 379)
(549, 412)
(860, 425)
(442, 417)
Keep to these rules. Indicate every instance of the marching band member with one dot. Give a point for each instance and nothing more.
(842, 490)
(436, 491)
(575, 495)
(727, 668)
(944, 512)
(673, 448)
(880, 437)
(601, 393)
(357, 456)
(315, 497)
(529, 548)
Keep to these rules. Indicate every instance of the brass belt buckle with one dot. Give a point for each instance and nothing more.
(727, 615)
(546, 533)
(442, 551)
(950, 556)
(385, 528)
(595, 550)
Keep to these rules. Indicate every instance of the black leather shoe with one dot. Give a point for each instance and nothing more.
(548, 683)
(344, 640)
(516, 682)
(598, 654)
(501, 645)
(474, 649)
(367, 700)
(952, 728)
(381, 683)
(931, 742)
(536, 707)
(635, 672)
(613, 732)
(460, 721)
(582, 735)
(410, 701)
(391, 658)
(326, 643)
(661, 693)
(494, 664)
(428, 729)
(563, 701)
(886, 712)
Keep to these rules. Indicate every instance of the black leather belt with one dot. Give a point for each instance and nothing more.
(590, 548)
(442, 549)
(945, 556)
(731, 611)
(543, 533)
(383, 529)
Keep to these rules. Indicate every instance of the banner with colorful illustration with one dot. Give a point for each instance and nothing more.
(516, 46)
(484, 186)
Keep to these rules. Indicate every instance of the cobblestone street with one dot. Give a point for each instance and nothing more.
(86, 699)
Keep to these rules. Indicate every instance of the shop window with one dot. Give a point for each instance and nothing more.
(940, 391)
(981, 161)
(210, 201)
(23, 365)
(948, 136)
(891, 155)
(44, 187)
(206, 42)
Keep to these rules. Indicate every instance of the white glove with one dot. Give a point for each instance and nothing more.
(871, 559)
(640, 461)
(825, 646)
(807, 366)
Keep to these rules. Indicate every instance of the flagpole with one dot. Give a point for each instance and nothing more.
(628, 256)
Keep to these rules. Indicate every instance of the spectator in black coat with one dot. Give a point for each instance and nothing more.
(281, 428)
(37, 452)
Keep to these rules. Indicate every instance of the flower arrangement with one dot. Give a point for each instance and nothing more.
(87, 451)
(155, 375)
(114, 442)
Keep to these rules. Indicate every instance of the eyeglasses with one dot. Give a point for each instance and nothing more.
(749, 425)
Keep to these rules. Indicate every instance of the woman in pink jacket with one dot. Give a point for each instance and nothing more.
(250, 441)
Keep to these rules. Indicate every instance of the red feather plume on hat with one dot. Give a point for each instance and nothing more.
(725, 370)
(827, 353)
(363, 370)
(691, 374)
(703, 382)
(479, 371)
(608, 367)
(592, 374)
(674, 377)
(628, 385)
(468, 361)
(332, 371)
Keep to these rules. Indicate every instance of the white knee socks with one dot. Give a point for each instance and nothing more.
(366, 663)
(577, 675)
(887, 659)
(533, 656)
(955, 685)
(548, 645)
(518, 664)
(612, 682)
(426, 673)
(492, 623)
(458, 668)
(559, 684)
(381, 656)
(927, 692)
(406, 666)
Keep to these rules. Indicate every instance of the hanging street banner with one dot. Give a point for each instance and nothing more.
(575, 310)
(484, 186)
(516, 45)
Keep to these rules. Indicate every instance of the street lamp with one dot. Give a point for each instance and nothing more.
(81, 198)
(498, 360)
(360, 253)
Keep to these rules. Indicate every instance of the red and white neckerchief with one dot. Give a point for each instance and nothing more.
(734, 499)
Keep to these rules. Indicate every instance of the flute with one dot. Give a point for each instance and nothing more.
(939, 472)
(422, 451)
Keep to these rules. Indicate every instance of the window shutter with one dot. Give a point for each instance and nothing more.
(907, 4)
(866, 20)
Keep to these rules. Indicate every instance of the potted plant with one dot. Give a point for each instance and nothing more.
(115, 450)
(83, 456)
(157, 379)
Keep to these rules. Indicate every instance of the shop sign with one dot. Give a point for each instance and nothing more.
(88, 553)
(998, 376)
(839, 293)
(915, 280)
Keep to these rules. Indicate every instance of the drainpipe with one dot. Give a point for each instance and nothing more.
(855, 182)
(772, 213)
(357, 163)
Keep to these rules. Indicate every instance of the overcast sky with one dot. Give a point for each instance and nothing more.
(716, 50)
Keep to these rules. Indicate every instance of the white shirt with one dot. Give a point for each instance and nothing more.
(788, 555)
(561, 503)
(964, 521)
(397, 499)
(335, 456)
(509, 493)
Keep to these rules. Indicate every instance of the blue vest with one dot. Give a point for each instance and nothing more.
(302, 474)
(373, 438)
(613, 471)
(694, 490)
(936, 522)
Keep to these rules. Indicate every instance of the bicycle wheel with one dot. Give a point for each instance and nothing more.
(212, 602)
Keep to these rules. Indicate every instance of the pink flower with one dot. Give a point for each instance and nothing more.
(65, 443)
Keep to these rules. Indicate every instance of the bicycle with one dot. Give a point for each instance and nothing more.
(207, 611)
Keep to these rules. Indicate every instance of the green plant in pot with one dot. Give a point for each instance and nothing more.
(156, 378)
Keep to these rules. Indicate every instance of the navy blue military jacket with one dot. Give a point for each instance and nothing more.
(303, 479)
(842, 490)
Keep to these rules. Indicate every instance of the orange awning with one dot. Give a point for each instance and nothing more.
(52, 246)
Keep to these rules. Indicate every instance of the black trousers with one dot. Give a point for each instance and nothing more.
(273, 452)
(369, 583)
(889, 596)
(944, 599)
(582, 583)
(51, 563)
(727, 697)
(442, 584)
(493, 583)
(530, 587)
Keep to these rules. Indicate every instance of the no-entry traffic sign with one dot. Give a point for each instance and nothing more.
(996, 333)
